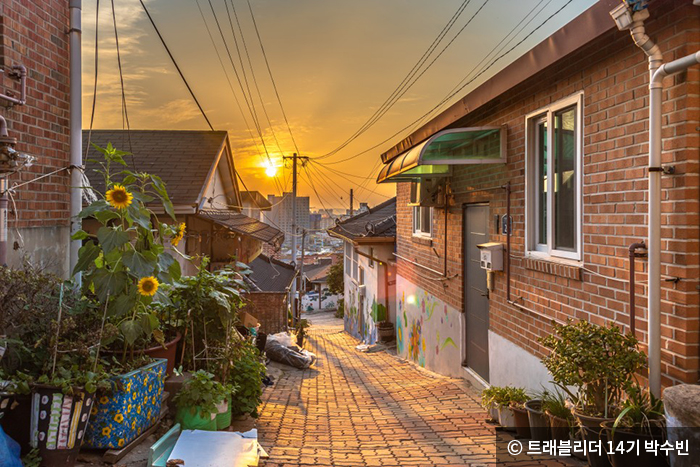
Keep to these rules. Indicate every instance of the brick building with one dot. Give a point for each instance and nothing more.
(35, 34)
(559, 138)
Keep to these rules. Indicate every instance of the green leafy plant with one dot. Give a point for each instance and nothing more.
(124, 262)
(503, 396)
(246, 373)
(555, 403)
(302, 326)
(51, 334)
(599, 361)
(207, 304)
(340, 311)
(489, 395)
(641, 411)
(335, 280)
(201, 393)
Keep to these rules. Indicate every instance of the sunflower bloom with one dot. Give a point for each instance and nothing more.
(148, 286)
(118, 197)
(179, 234)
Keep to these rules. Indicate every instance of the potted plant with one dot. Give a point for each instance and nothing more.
(302, 326)
(538, 420)
(599, 361)
(198, 399)
(518, 398)
(51, 365)
(488, 396)
(640, 422)
(245, 374)
(123, 263)
(555, 406)
(503, 398)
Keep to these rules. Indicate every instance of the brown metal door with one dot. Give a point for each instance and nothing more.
(476, 301)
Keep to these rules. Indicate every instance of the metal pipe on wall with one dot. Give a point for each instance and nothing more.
(3, 221)
(76, 130)
(632, 254)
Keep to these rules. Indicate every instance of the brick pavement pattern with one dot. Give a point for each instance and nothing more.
(371, 409)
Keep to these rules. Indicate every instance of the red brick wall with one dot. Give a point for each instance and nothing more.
(270, 308)
(612, 73)
(34, 34)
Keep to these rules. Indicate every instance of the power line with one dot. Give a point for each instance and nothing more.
(233, 93)
(184, 80)
(459, 89)
(125, 113)
(410, 84)
(272, 78)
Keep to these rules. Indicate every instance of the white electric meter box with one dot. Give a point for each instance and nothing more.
(491, 256)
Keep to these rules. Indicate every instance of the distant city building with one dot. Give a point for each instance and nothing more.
(253, 204)
(315, 220)
(280, 214)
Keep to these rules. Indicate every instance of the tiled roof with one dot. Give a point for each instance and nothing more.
(183, 159)
(379, 221)
(270, 275)
(244, 225)
(314, 272)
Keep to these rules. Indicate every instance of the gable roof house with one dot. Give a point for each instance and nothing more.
(198, 170)
(369, 270)
(269, 296)
(546, 166)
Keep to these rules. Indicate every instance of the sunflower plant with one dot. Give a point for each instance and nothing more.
(124, 262)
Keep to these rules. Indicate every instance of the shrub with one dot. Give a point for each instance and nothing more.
(599, 361)
(246, 374)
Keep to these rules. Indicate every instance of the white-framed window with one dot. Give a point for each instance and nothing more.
(355, 261)
(554, 178)
(348, 258)
(423, 221)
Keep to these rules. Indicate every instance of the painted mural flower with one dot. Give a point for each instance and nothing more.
(414, 340)
(106, 431)
(121, 442)
(422, 305)
(119, 418)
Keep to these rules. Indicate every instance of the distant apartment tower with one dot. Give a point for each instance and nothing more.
(280, 214)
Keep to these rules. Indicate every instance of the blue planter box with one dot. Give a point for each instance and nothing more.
(133, 406)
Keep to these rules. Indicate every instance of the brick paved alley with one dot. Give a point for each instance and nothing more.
(359, 409)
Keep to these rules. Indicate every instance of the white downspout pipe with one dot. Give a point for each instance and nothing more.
(76, 129)
(657, 72)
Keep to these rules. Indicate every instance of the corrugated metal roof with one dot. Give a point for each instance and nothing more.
(244, 225)
(378, 222)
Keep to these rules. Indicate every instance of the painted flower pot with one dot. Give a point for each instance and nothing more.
(131, 407)
(58, 422)
(223, 415)
(193, 418)
(539, 422)
(16, 410)
(505, 418)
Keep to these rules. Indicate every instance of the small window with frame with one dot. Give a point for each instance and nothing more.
(423, 221)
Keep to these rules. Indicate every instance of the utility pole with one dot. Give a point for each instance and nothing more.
(351, 199)
(301, 272)
(294, 158)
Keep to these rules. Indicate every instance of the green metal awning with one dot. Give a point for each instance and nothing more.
(435, 156)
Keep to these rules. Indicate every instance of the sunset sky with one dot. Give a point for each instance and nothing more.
(334, 63)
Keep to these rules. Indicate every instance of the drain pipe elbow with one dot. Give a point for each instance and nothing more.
(3, 127)
(644, 42)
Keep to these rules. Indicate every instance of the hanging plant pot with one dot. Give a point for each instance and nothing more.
(193, 418)
(58, 423)
(505, 418)
(131, 407)
(539, 422)
(521, 422)
(16, 412)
